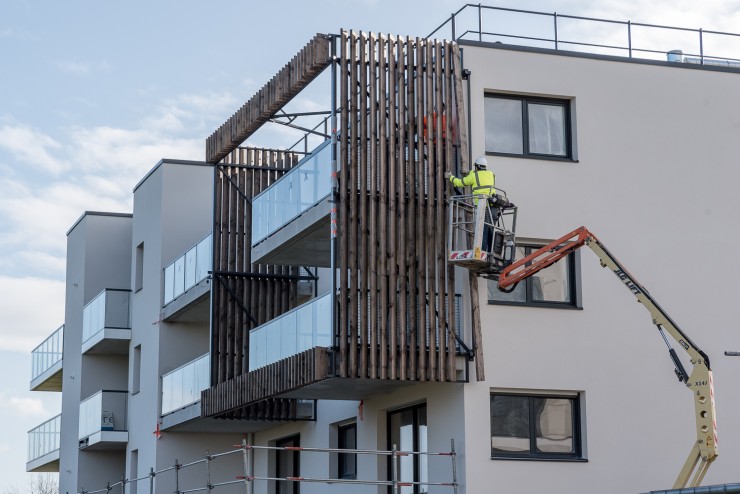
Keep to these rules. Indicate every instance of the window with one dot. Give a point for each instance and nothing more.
(556, 286)
(407, 430)
(287, 464)
(139, 275)
(524, 126)
(347, 467)
(535, 426)
(133, 472)
(136, 371)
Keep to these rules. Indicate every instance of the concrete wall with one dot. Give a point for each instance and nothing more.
(173, 211)
(98, 257)
(656, 148)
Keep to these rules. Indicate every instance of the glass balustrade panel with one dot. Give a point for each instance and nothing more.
(47, 354)
(169, 283)
(296, 191)
(303, 328)
(179, 276)
(182, 386)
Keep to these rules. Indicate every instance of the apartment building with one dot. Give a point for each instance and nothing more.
(286, 299)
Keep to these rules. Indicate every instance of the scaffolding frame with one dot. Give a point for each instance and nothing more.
(247, 479)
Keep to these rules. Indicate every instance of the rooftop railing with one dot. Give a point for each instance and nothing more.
(182, 386)
(302, 187)
(187, 270)
(48, 353)
(110, 309)
(44, 438)
(477, 22)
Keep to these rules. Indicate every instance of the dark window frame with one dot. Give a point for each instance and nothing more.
(341, 457)
(574, 282)
(525, 100)
(294, 487)
(533, 454)
(414, 409)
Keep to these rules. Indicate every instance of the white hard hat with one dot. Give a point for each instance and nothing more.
(481, 162)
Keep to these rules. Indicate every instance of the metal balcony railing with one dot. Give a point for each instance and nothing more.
(182, 386)
(48, 353)
(110, 309)
(44, 439)
(307, 184)
(477, 22)
(187, 270)
(103, 411)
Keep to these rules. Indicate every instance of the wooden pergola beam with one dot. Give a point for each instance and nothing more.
(305, 66)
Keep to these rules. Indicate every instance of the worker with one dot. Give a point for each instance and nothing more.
(482, 182)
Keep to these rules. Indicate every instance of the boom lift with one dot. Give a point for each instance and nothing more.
(465, 250)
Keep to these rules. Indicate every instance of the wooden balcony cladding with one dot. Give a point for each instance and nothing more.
(245, 294)
(401, 102)
(255, 388)
(305, 66)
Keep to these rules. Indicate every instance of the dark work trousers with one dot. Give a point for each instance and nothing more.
(492, 214)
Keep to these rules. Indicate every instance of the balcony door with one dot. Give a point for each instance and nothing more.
(407, 430)
(287, 464)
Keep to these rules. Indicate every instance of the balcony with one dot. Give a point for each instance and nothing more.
(293, 357)
(182, 411)
(46, 363)
(305, 327)
(186, 284)
(43, 446)
(103, 421)
(106, 323)
(290, 219)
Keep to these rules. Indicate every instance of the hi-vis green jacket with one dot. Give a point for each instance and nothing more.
(481, 182)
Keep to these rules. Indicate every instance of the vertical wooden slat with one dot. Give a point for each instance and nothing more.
(353, 181)
(373, 234)
(392, 208)
(362, 323)
(402, 197)
(421, 237)
(343, 208)
(441, 240)
(431, 201)
(383, 196)
(411, 182)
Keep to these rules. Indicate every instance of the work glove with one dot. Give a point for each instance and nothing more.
(448, 174)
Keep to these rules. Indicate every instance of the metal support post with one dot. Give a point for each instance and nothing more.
(394, 469)
(334, 193)
(177, 477)
(208, 458)
(151, 480)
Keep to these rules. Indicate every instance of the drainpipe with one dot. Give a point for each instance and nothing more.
(707, 489)
(334, 190)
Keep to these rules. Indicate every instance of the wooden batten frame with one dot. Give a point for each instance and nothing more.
(401, 103)
(305, 66)
(245, 294)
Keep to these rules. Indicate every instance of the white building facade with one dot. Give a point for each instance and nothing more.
(578, 394)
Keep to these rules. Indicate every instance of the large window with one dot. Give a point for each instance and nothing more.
(556, 286)
(347, 439)
(535, 426)
(526, 126)
(407, 430)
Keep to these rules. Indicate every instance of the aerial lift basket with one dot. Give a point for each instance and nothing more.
(471, 218)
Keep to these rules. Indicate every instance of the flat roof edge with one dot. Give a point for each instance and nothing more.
(97, 213)
(168, 161)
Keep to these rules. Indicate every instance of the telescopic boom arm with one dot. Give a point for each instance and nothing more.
(699, 382)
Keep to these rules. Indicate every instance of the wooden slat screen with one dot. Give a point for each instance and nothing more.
(400, 108)
(245, 294)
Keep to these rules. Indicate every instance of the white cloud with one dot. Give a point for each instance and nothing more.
(74, 68)
(32, 407)
(32, 147)
(23, 324)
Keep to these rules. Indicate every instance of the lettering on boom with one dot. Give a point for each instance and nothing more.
(627, 281)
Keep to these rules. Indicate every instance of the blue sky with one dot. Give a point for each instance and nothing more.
(94, 93)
